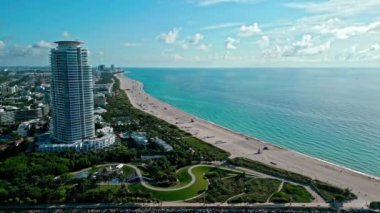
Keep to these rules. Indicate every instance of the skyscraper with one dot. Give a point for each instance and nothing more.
(71, 93)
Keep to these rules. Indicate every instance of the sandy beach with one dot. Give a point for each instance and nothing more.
(365, 187)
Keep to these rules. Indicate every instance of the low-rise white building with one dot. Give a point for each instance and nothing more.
(100, 100)
(98, 119)
(24, 128)
(7, 118)
(99, 110)
(105, 89)
(9, 90)
(106, 139)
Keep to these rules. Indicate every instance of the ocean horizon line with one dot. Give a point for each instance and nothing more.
(244, 67)
(216, 67)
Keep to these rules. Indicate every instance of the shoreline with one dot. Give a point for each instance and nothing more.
(287, 149)
(366, 187)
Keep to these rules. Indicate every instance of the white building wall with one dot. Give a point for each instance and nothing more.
(71, 93)
(91, 144)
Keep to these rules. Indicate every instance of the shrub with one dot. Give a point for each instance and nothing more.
(375, 205)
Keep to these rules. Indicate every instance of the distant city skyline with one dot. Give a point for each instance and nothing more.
(195, 33)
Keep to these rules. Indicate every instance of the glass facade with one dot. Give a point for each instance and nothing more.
(71, 93)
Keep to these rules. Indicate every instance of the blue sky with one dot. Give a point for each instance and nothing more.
(196, 33)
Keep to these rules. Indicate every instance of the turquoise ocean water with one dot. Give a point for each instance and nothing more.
(331, 114)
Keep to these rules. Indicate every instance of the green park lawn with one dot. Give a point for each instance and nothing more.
(195, 189)
(183, 177)
(127, 170)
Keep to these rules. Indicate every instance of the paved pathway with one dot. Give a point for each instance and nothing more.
(278, 190)
(318, 198)
(148, 186)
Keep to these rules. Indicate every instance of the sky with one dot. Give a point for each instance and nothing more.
(195, 33)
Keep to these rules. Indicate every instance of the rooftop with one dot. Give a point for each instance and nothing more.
(69, 42)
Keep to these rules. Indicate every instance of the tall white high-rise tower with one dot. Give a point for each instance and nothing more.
(71, 93)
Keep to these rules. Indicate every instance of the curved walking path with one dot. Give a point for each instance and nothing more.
(148, 186)
(230, 198)
(174, 188)
(317, 197)
(278, 190)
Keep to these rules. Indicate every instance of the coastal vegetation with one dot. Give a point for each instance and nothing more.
(328, 192)
(119, 109)
(31, 178)
(243, 188)
(257, 191)
(375, 205)
(238, 188)
(292, 193)
(49, 178)
(270, 170)
(110, 194)
(332, 193)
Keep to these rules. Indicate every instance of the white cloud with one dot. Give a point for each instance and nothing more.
(214, 2)
(349, 31)
(170, 37)
(249, 30)
(304, 43)
(334, 25)
(315, 50)
(353, 54)
(40, 49)
(303, 47)
(329, 26)
(274, 51)
(340, 30)
(130, 44)
(348, 54)
(196, 38)
(263, 42)
(341, 8)
(221, 26)
(230, 43)
(43, 44)
(203, 47)
(66, 34)
(372, 48)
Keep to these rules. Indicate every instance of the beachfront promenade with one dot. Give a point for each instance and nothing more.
(366, 188)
